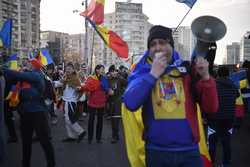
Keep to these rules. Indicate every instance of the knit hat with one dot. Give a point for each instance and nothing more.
(160, 32)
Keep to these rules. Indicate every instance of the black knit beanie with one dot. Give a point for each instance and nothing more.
(160, 32)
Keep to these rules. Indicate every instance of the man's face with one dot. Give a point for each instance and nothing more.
(161, 45)
(114, 73)
(69, 70)
(50, 71)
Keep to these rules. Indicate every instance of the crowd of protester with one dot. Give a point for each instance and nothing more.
(152, 85)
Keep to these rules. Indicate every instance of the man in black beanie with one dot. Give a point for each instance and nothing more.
(162, 87)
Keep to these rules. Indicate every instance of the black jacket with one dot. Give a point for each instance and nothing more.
(227, 94)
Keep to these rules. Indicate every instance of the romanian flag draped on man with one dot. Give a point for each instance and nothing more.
(95, 15)
(132, 122)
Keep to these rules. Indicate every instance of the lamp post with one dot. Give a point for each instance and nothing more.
(134, 55)
(85, 3)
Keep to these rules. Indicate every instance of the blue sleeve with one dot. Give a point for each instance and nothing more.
(138, 90)
(31, 77)
(104, 84)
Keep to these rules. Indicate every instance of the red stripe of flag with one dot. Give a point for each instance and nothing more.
(94, 12)
(118, 45)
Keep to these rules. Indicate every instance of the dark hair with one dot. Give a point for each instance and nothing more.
(246, 64)
(121, 67)
(111, 68)
(223, 71)
(98, 67)
(70, 64)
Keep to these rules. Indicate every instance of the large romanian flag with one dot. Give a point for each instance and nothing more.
(133, 129)
(95, 11)
(112, 40)
(5, 34)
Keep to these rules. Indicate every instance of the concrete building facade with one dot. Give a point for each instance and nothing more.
(57, 43)
(184, 41)
(245, 47)
(26, 23)
(129, 22)
(233, 53)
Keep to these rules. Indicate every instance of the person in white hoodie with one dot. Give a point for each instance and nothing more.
(70, 96)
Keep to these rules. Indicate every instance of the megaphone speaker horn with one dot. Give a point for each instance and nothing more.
(208, 28)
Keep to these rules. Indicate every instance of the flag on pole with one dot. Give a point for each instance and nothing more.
(5, 34)
(189, 3)
(95, 11)
(112, 40)
(44, 57)
(37, 64)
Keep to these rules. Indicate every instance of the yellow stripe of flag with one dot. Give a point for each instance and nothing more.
(243, 83)
(1, 43)
(43, 59)
(102, 2)
(104, 33)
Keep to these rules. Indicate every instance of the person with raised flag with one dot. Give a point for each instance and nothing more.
(162, 86)
(11, 101)
(32, 118)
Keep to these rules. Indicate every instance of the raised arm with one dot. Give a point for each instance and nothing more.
(207, 95)
(138, 91)
(31, 77)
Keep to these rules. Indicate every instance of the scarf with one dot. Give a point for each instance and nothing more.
(72, 80)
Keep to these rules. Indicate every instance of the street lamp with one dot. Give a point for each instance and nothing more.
(85, 3)
(136, 56)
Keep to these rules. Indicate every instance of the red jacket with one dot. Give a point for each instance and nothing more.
(97, 97)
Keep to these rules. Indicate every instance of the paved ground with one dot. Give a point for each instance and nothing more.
(107, 154)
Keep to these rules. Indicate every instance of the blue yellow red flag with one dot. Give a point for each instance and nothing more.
(44, 57)
(133, 130)
(189, 3)
(12, 60)
(112, 40)
(5, 34)
(95, 11)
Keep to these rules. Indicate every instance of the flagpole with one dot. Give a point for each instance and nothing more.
(183, 18)
(92, 52)
(86, 38)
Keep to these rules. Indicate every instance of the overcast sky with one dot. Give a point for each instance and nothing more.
(58, 15)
